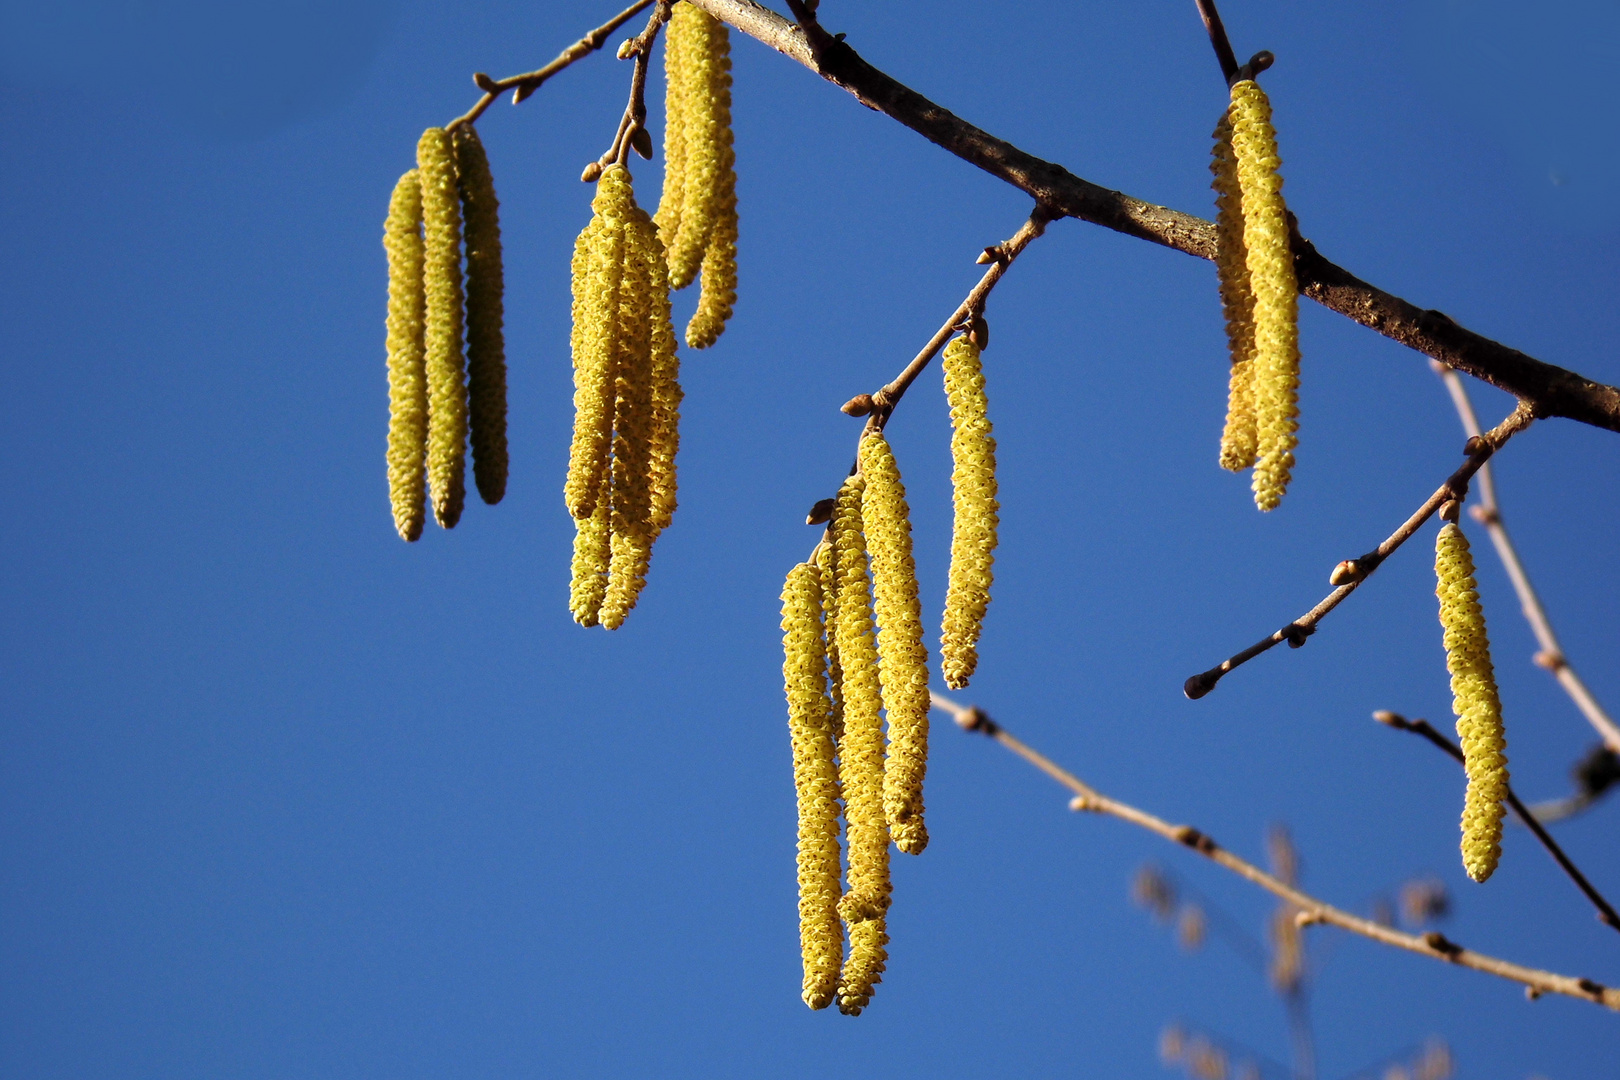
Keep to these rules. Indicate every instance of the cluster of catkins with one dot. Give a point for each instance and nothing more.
(1474, 700)
(1259, 294)
(439, 394)
(843, 677)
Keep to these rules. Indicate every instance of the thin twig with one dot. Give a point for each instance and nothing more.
(1218, 39)
(1606, 913)
(524, 85)
(1349, 575)
(1312, 910)
(1489, 514)
(1554, 391)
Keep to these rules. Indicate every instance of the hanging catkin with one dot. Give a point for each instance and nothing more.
(973, 538)
(486, 340)
(902, 660)
(407, 380)
(815, 776)
(1474, 701)
(441, 283)
(592, 551)
(860, 751)
(677, 74)
(1238, 440)
(598, 269)
(826, 563)
(665, 439)
(1270, 262)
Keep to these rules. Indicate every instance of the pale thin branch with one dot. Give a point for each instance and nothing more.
(1552, 390)
(1349, 575)
(1606, 913)
(1489, 514)
(1433, 944)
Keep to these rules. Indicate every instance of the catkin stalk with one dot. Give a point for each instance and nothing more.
(598, 269)
(486, 338)
(815, 776)
(1239, 439)
(1474, 701)
(973, 538)
(441, 282)
(407, 377)
(902, 660)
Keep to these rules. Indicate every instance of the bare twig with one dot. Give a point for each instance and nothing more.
(1553, 391)
(1606, 914)
(1349, 575)
(524, 85)
(1312, 910)
(1218, 40)
(1489, 514)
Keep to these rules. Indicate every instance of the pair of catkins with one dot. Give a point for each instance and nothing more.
(438, 394)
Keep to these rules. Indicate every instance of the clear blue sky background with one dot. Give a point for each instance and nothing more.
(281, 796)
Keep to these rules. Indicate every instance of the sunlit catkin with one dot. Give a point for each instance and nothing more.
(441, 283)
(407, 381)
(1474, 700)
(1276, 292)
(826, 564)
(486, 338)
(902, 660)
(598, 269)
(860, 752)
(1238, 440)
(973, 537)
(815, 776)
(592, 552)
(665, 438)
(677, 75)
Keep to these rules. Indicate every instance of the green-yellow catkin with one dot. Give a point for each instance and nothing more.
(1276, 292)
(902, 660)
(441, 283)
(486, 337)
(665, 439)
(815, 776)
(860, 755)
(1238, 440)
(407, 379)
(677, 75)
(826, 563)
(592, 552)
(719, 293)
(1474, 700)
(973, 536)
(598, 270)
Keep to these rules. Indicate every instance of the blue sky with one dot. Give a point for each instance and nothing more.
(281, 796)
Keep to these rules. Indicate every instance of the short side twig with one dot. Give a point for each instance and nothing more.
(1312, 910)
(1349, 575)
(1606, 913)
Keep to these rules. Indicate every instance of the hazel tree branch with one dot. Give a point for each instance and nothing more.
(1311, 910)
(1349, 575)
(1606, 913)
(1551, 390)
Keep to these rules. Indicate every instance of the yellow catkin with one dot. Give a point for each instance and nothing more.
(903, 662)
(598, 269)
(441, 283)
(407, 379)
(592, 552)
(486, 338)
(1238, 445)
(826, 563)
(677, 74)
(1276, 292)
(1474, 701)
(815, 776)
(860, 751)
(973, 537)
(719, 295)
(665, 439)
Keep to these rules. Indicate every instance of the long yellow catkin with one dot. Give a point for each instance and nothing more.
(441, 282)
(592, 552)
(860, 751)
(407, 379)
(1276, 292)
(486, 338)
(598, 269)
(677, 74)
(826, 563)
(973, 538)
(902, 660)
(1474, 701)
(815, 776)
(1238, 440)
(665, 438)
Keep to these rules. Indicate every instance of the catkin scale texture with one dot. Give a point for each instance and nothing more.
(973, 539)
(1238, 440)
(598, 269)
(1474, 701)
(593, 539)
(815, 776)
(1270, 263)
(407, 376)
(902, 660)
(677, 74)
(441, 283)
(665, 437)
(486, 338)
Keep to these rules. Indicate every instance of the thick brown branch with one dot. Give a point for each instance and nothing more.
(1311, 910)
(1553, 391)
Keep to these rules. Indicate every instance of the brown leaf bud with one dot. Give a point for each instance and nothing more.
(821, 513)
(1474, 445)
(989, 255)
(1450, 510)
(627, 49)
(1552, 661)
(859, 405)
(641, 142)
(1343, 574)
(592, 173)
(485, 83)
(979, 333)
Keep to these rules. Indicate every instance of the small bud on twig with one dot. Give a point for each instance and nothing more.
(1450, 510)
(641, 142)
(485, 83)
(1550, 660)
(592, 173)
(821, 513)
(1474, 445)
(990, 255)
(979, 333)
(1344, 573)
(627, 48)
(859, 405)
